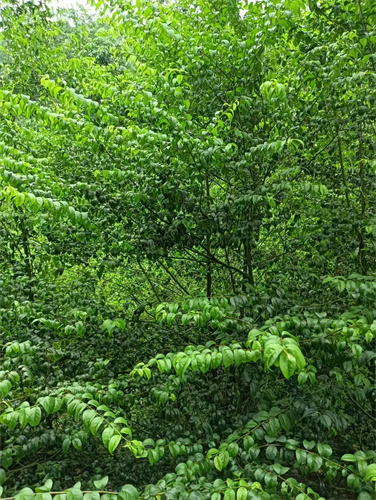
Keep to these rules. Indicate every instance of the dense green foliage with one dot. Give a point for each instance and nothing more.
(187, 250)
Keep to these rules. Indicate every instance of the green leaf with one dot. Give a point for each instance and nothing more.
(279, 469)
(274, 427)
(114, 443)
(370, 473)
(95, 425)
(77, 443)
(66, 444)
(287, 364)
(48, 404)
(216, 359)
(353, 481)
(121, 420)
(107, 434)
(74, 494)
(225, 458)
(211, 453)
(242, 493)
(128, 492)
(314, 462)
(35, 416)
(248, 442)
(25, 494)
(271, 354)
(271, 452)
(43, 496)
(153, 456)
(298, 356)
(309, 445)
(233, 449)
(218, 463)
(228, 357)
(239, 356)
(92, 495)
(204, 362)
(229, 494)
(270, 480)
(5, 387)
(46, 487)
(301, 457)
(324, 450)
(24, 415)
(3, 476)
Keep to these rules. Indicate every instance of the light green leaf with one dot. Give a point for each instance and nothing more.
(24, 415)
(370, 473)
(128, 492)
(271, 354)
(229, 494)
(5, 387)
(287, 364)
(242, 493)
(25, 494)
(74, 494)
(114, 443)
(218, 463)
(107, 434)
(228, 357)
(101, 483)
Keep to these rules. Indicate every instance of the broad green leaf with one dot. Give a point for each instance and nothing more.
(271, 452)
(229, 494)
(114, 443)
(218, 463)
(309, 445)
(370, 473)
(101, 483)
(74, 494)
(25, 494)
(271, 354)
(128, 492)
(324, 450)
(242, 493)
(5, 387)
(35, 416)
(107, 434)
(228, 359)
(287, 364)
(314, 462)
(24, 415)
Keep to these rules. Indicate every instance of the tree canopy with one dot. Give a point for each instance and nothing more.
(187, 250)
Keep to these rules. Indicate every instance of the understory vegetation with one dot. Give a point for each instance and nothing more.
(187, 250)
